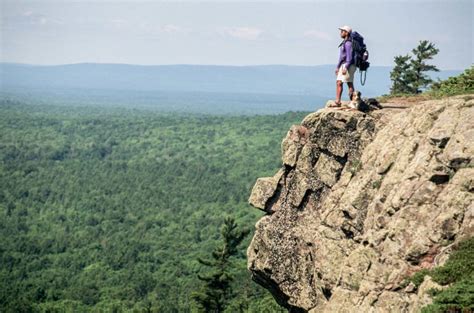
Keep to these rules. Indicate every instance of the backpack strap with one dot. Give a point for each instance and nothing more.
(344, 41)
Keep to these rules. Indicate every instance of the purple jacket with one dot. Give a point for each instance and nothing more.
(345, 54)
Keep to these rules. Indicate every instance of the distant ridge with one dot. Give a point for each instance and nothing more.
(221, 89)
(267, 79)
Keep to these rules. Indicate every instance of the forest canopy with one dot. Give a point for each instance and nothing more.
(109, 209)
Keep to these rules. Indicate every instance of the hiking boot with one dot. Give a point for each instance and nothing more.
(333, 104)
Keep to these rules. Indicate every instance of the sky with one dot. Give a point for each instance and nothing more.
(229, 32)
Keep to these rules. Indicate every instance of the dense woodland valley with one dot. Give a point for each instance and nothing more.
(116, 208)
(107, 209)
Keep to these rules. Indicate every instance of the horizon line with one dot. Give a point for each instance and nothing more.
(173, 64)
(194, 64)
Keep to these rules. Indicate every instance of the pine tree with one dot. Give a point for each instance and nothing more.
(408, 76)
(401, 75)
(216, 291)
(425, 51)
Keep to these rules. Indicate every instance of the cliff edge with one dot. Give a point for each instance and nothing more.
(362, 202)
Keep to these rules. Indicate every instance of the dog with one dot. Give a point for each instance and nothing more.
(356, 101)
(363, 104)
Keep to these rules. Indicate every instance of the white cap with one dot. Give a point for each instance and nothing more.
(346, 28)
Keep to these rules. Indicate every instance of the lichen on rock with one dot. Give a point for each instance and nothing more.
(361, 202)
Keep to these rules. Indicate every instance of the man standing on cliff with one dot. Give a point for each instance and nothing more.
(345, 66)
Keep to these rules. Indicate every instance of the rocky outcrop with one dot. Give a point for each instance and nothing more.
(363, 201)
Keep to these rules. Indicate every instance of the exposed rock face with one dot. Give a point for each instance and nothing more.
(363, 201)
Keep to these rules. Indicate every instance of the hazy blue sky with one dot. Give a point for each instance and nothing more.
(225, 32)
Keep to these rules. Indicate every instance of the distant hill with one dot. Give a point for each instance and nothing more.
(173, 82)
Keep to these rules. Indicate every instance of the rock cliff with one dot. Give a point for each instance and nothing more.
(363, 201)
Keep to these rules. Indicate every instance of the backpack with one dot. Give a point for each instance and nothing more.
(359, 50)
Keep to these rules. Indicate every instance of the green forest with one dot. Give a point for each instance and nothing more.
(107, 209)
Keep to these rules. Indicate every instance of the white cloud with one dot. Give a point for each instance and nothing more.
(27, 13)
(172, 29)
(151, 29)
(33, 18)
(245, 33)
(159, 31)
(316, 34)
(119, 23)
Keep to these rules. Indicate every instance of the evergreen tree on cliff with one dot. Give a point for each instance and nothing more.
(217, 292)
(401, 75)
(425, 51)
(409, 74)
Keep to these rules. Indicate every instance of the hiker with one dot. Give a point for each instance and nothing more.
(346, 66)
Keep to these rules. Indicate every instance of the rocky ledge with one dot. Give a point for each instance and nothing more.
(363, 201)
